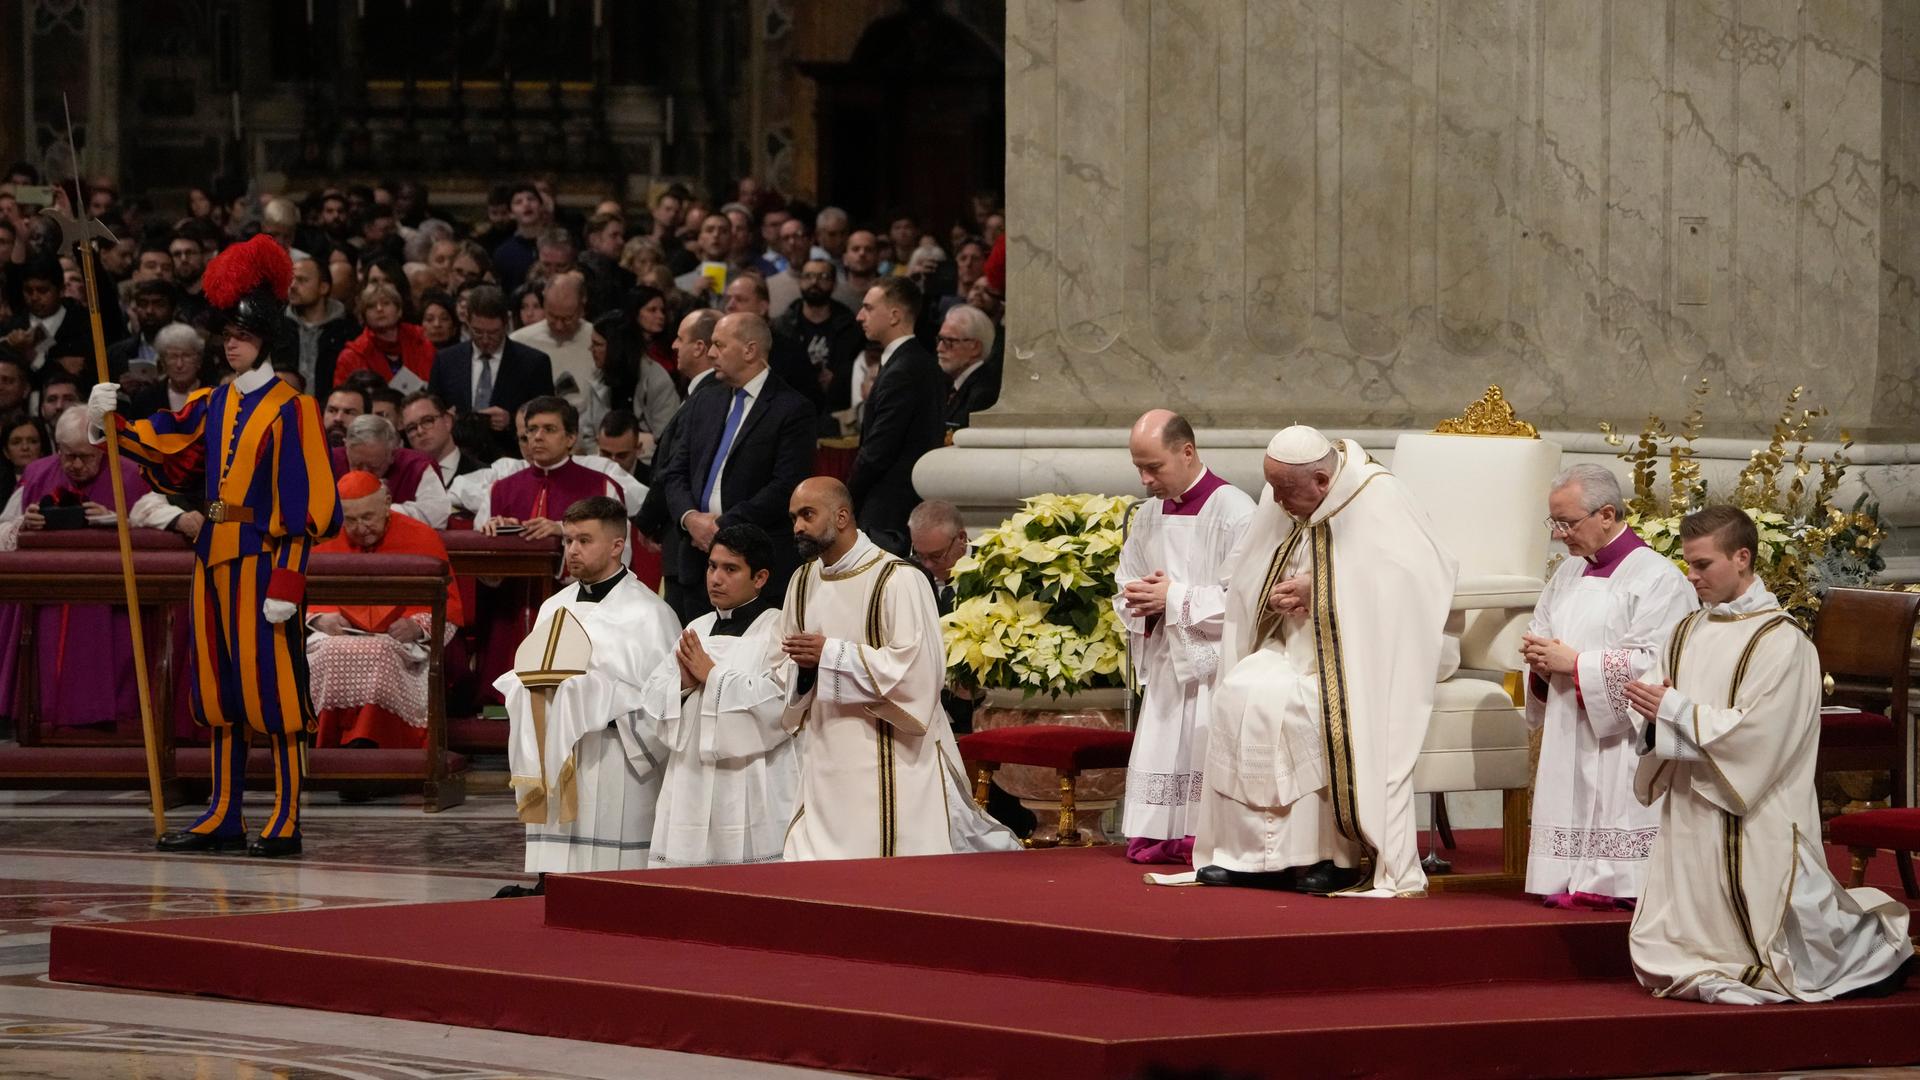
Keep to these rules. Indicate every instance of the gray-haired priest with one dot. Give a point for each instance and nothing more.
(1337, 604)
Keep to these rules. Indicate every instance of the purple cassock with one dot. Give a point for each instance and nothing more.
(506, 613)
(83, 652)
(403, 475)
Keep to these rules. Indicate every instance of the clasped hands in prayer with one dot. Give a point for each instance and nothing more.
(1293, 596)
(333, 624)
(1548, 656)
(1147, 596)
(695, 664)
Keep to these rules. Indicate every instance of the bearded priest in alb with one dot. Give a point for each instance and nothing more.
(1594, 631)
(879, 772)
(1336, 608)
(719, 705)
(586, 774)
(1171, 599)
(1739, 906)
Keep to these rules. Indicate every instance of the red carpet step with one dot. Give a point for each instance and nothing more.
(1087, 917)
(1055, 964)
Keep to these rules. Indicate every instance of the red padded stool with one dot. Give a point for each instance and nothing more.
(1068, 751)
(1896, 830)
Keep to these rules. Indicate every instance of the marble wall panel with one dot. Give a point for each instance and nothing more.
(1362, 212)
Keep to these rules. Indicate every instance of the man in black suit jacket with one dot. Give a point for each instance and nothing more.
(760, 431)
(515, 373)
(902, 417)
(691, 352)
(45, 326)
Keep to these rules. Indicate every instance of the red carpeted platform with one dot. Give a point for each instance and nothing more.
(1058, 964)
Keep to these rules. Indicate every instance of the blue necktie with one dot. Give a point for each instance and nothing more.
(726, 443)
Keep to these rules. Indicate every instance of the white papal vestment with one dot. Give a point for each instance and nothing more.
(1590, 835)
(732, 773)
(1176, 656)
(1318, 719)
(879, 772)
(594, 734)
(1739, 905)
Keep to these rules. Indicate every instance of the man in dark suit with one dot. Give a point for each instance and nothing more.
(741, 453)
(965, 342)
(692, 354)
(901, 418)
(154, 305)
(46, 327)
(427, 425)
(489, 375)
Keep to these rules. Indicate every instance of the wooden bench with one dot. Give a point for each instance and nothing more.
(76, 567)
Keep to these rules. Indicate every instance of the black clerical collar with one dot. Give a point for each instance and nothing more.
(593, 594)
(735, 623)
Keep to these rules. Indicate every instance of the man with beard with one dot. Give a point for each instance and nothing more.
(880, 774)
(344, 404)
(860, 269)
(827, 331)
(154, 305)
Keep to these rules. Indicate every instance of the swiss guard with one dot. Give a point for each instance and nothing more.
(255, 449)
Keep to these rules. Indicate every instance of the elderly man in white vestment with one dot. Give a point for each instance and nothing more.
(1335, 625)
(1171, 600)
(879, 772)
(719, 705)
(593, 737)
(1594, 631)
(1739, 906)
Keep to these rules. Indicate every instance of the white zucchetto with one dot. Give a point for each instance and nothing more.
(1299, 445)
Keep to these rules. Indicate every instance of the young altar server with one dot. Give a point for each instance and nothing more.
(879, 772)
(585, 772)
(1171, 599)
(1336, 613)
(1594, 630)
(718, 704)
(1739, 906)
(254, 449)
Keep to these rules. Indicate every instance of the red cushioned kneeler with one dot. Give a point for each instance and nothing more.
(1896, 830)
(1066, 750)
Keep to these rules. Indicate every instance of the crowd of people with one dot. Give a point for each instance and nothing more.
(684, 358)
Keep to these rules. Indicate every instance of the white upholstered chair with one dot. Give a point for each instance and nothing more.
(1486, 495)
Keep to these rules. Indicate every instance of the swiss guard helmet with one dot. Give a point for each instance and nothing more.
(247, 284)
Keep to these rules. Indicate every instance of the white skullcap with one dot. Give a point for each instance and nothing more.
(1299, 445)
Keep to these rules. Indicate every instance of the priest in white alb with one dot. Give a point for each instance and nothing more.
(879, 772)
(1170, 597)
(1739, 906)
(1337, 602)
(1594, 631)
(719, 704)
(585, 770)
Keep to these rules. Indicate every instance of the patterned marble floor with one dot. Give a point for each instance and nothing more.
(86, 857)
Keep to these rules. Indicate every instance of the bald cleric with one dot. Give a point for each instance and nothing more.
(1337, 602)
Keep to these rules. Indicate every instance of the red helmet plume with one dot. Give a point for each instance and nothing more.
(243, 267)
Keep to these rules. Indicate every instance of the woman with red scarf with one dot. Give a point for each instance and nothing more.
(395, 350)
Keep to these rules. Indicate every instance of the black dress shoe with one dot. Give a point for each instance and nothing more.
(181, 840)
(1323, 877)
(274, 847)
(1220, 875)
(514, 892)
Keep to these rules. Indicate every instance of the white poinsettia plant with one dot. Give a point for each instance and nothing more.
(1033, 598)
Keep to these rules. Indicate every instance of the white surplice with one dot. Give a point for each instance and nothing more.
(1176, 656)
(1355, 674)
(594, 720)
(1589, 832)
(732, 773)
(1739, 905)
(879, 772)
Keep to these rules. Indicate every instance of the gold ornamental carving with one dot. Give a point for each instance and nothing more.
(1491, 415)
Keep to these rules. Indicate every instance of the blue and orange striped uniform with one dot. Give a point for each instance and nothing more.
(255, 449)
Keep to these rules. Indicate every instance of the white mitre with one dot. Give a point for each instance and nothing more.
(1299, 445)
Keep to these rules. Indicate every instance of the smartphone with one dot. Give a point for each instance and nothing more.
(33, 195)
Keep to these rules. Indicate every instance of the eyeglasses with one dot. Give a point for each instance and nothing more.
(1556, 527)
(928, 559)
(952, 342)
(420, 423)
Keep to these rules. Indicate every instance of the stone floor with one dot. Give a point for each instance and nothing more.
(85, 857)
